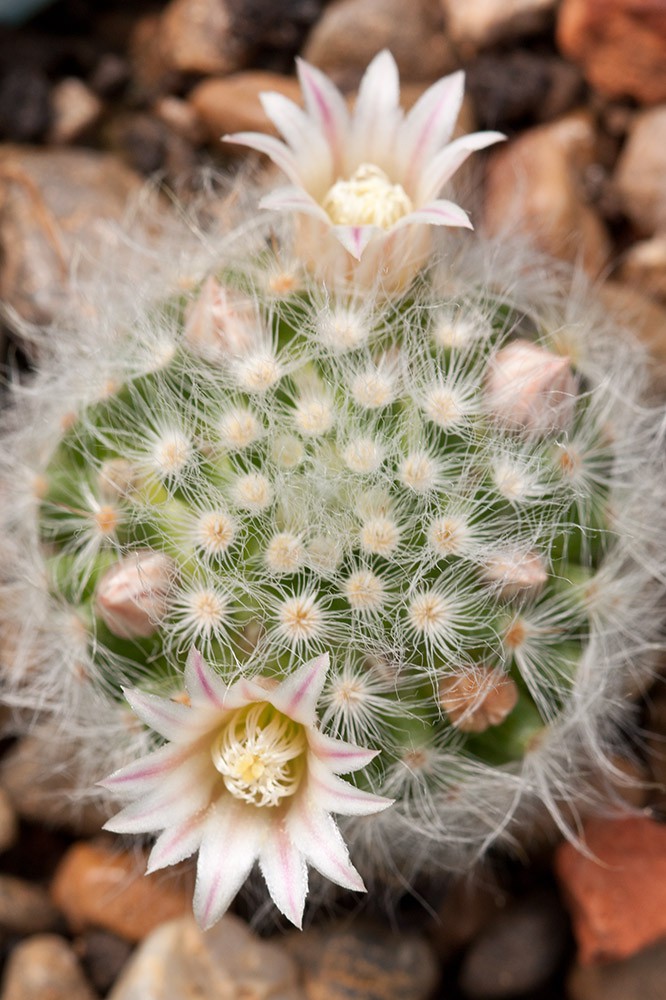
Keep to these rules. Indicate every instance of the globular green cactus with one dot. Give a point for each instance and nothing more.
(427, 492)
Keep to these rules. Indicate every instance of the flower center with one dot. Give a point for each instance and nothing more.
(367, 199)
(259, 754)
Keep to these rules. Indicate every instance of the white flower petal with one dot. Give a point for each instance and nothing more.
(309, 146)
(297, 695)
(356, 238)
(338, 756)
(278, 152)
(435, 213)
(429, 124)
(141, 776)
(444, 165)
(231, 842)
(294, 199)
(338, 796)
(320, 841)
(171, 719)
(285, 873)
(376, 113)
(176, 843)
(180, 796)
(203, 685)
(326, 106)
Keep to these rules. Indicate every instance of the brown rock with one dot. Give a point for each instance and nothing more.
(621, 45)
(519, 86)
(535, 186)
(74, 110)
(50, 203)
(363, 960)
(103, 957)
(42, 795)
(470, 903)
(180, 962)
(8, 822)
(44, 968)
(641, 169)
(152, 73)
(232, 104)
(643, 316)
(196, 36)
(478, 24)
(644, 267)
(641, 977)
(351, 32)
(99, 886)
(617, 893)
(181, 118)
(25, 908)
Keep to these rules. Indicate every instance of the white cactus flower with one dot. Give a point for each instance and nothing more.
(245, 775)
(366, 186)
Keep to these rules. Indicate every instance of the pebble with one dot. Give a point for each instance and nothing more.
(644, 266)
(151, 72)
(620, 44)
(25, 104)
(641, 977)
(98, 885)
(44, 968)
(42, 797)
(103, 956)
(535, 186)
(178, 961)
(52, 201)
(364, 961)
(521, 86)
(518, 951)
(644, 317)
(75, 109)
(640, 172)
(231, 104)
(8, 822)
(469, 904)
(477, 24)
(350, 32)
(196, 36)
(25, 908)
(617, 892)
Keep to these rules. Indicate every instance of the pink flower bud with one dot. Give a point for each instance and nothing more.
(221, 324)
(529, 387)
(131, 596)
(516, 574)
(477, 699)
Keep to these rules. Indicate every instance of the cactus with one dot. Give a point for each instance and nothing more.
(439, 480)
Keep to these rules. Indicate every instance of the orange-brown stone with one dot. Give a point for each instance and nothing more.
(617, 892)
(97, 885)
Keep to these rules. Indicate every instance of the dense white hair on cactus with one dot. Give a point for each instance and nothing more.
(293, 536)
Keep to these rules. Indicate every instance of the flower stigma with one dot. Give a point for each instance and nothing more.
(260, 755)
(367, 199)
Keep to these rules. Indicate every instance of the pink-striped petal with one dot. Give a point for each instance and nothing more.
(356, 238)
(179, 797)
(284, 870)
(337, 796)
(308, 144)
(176, 843)
(171, 719)
(141, 776)
(338, 756)
(203, 685)
(278, 152)
(297, 695)
(444, 165)
(429, 125)
(435, 213)
(231, 842)
(294, 199)
(377, 112)
(320, 841)
(326, 106)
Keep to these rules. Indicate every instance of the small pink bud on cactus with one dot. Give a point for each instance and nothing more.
(131, 596)
(516, 574)
(531, 388)
(477, 699)
(221, 324)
